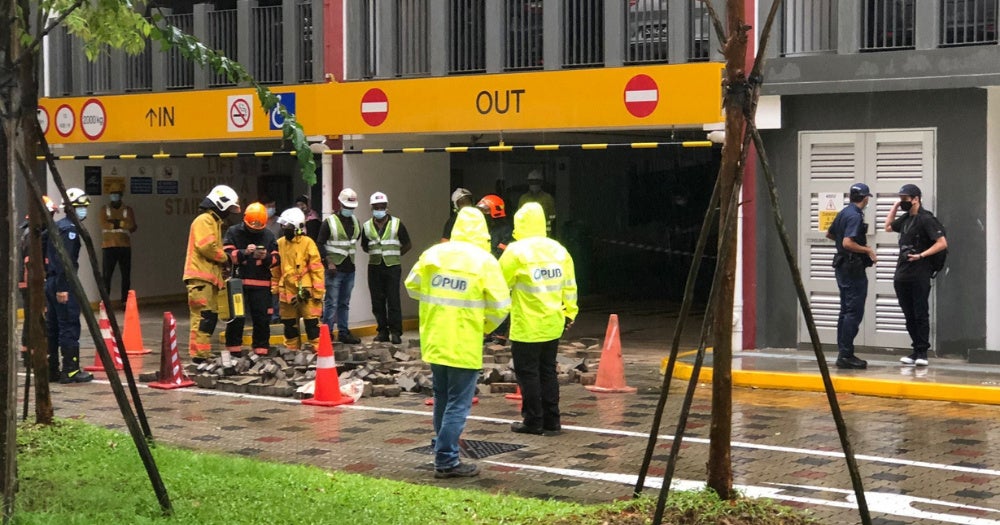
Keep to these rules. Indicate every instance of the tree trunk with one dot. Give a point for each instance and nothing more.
(720, 471)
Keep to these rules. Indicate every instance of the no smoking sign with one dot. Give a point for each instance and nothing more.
(239, 114)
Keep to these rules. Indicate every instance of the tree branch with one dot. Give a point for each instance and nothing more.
(720, 31)
(33, 48)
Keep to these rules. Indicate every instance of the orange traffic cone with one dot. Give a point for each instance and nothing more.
(611, 372)
(171, 373)
(327, 392)
(516, 396)
(109, 341)
(132, 336)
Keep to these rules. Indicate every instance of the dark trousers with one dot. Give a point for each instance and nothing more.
(258, 306)
(63, 325)
(913, 300)
(121, 257)
(535, 366)
(853, 291)
(383, 284)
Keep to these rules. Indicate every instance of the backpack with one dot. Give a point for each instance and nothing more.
(937, 262)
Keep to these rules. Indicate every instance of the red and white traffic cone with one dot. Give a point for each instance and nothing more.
(109, 341)
(171, 373)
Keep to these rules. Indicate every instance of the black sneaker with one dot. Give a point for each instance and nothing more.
(76, 376)
(521, 428)
(348, 338)
(382, 337)
(852, 363)
(396, 340)
(552, 428)
(462, 470)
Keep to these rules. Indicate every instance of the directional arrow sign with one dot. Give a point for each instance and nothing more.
(151, 116)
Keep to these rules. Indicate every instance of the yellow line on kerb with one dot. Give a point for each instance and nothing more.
(983, 395)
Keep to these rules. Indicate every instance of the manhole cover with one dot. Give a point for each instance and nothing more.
(470, 448)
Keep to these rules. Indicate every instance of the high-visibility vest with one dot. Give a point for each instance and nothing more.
(384, 249)
(116, 237)
(339, 246)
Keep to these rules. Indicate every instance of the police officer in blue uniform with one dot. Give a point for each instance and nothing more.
(63, 315)
(854, 256)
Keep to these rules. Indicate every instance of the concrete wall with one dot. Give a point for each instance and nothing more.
(960, 195)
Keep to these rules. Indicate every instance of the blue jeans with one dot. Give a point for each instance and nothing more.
(337, 303)
(453, 392)
(853, 291)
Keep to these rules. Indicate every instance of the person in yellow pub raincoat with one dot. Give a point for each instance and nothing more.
(543, 304)
(462, 296)
(203, 265)
(298, 279)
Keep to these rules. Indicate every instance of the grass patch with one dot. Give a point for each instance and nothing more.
(73, 473)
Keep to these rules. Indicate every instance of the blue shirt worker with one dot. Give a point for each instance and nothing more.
(462, 296)
(385, 240)
(338, 244)
(540, 273)
(849, 232)
(63, 315)
(920, 237)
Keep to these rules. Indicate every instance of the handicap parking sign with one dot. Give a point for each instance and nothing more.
(276, 120)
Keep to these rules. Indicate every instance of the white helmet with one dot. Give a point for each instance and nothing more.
(223, 197)
(379, 198)
(293, 217)
(459, 194)
(348, 198)
(77, 198)
(535, 175)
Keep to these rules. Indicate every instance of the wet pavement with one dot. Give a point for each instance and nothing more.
(922, 461)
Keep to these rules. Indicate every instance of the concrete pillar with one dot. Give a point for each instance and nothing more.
(244, 33)
(927, 25)
(496, 36)
(291, 42)
(552, 45)
(614, 34)
(200, 31)
(848, 27)
(386, 37)
(318, 38)
(437, 40)
(679, 31)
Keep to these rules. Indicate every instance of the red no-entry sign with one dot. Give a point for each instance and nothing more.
(641, 96)
(374, 107)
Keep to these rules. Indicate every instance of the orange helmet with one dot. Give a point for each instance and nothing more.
(48, 204)
(256, 216)
(493, 206)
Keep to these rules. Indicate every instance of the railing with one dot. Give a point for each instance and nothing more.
(523, 42)
(467, 36)
(646, 35)
(304, 53)
(266, 61)
(699, 28)
(99, 74)
(369, 38)
(138, 70)
(180, 70)
(809, 27)
(583, 33)
(222, 33)
(967, 22)
(412, 52)
(887, 25)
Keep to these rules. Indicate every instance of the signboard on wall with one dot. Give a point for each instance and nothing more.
(829, 206)
(92, 180)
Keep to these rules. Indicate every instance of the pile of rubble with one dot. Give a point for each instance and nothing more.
(374, 369)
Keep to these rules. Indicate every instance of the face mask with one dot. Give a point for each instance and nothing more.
(347, 212)
(289, 234)
(116, 197)
(535, 188)
(270, 212)
(81, 213)
(379, 214)
(906, 205)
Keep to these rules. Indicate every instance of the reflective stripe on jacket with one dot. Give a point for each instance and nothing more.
(540, 274)
(340, 246)
(120, 237)
(299, 266)
(384, 248)
(462, 294)
(204, 258)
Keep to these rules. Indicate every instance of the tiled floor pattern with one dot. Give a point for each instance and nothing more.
(783, 441)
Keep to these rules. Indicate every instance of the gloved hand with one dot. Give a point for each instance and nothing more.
(260, 253)
(250, 250)
(304, 294)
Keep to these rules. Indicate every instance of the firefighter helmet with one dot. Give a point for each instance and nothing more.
(76, 198)
(223, 197)
(293, 217)
(459, 194)
(255, 217)
(48, 204)
(492, 205)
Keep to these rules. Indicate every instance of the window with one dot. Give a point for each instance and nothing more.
(647, 31)
(524, 34)
(887, 24)
(583, 32)
(411, 29)
(968, 22)
(467, 36)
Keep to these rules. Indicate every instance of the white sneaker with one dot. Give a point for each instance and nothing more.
(910, 359)
(921, 362)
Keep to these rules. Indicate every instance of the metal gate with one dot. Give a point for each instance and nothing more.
(829, 162)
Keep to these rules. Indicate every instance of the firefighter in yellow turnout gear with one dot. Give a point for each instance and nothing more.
(203, 266)
(298, 279)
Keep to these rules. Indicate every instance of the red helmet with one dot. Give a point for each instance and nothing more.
(256, 216)
(492, 205)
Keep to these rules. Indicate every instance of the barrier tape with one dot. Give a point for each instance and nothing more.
(501, 148)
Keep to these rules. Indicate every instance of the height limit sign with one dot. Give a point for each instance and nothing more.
(240, 113)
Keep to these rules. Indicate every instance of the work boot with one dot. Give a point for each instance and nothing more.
(462, 470)
(76, 376)
(348, 338)
(851, 362)
(396, 340)
(382, 337)
(521, 428)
